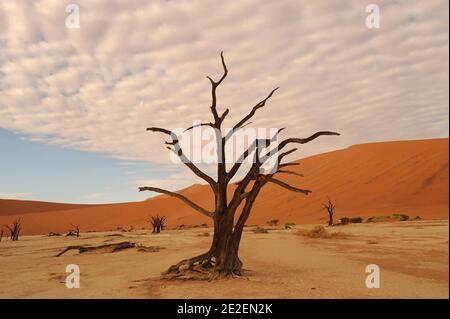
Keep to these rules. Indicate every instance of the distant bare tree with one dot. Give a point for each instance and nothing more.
(75, 231)
(14, 230)
(273, 222)
(1, 234)
(330, 209)
(158, 223)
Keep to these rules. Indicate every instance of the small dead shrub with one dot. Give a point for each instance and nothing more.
(14, 230)
(288, 225)
(204, 234)
(51, 234)
(370, 220)
(388, 218)
(273, 222)
(401, 217)
(260, 230)
(320, 232)
(355, 220)
(75, 231)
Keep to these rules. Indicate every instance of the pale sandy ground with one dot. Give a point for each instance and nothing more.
(413, 257)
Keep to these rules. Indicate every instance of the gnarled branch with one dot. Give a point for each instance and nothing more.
(198, 125)
(285, 185)
(282, 155)
(184, 159)
(214, 86)
(255, 144)
(305, 140)
(224, 114)
(180, 197)
(242, 122)
(289, 172)
(288, 164)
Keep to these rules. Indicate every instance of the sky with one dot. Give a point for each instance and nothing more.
(75, 102)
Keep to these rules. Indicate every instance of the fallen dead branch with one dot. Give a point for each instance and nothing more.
(111, 248)
(148, 249)
(51, 234)
(260, 230)
(108, 248)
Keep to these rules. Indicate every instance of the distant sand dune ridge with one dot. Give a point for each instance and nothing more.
(407, 177)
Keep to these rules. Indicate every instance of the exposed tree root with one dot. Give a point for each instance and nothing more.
(202, 267)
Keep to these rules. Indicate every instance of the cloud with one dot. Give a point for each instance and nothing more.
(96, 195)
(171, 181)
(136, 64)
(14, 195)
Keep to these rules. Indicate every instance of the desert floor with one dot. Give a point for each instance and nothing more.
(412, 256)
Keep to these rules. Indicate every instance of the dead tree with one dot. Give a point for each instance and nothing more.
(330, 209)
(1, 235)
(272, 222)
(158, 223)
(75, 231)
(14, 230)
(229, 214)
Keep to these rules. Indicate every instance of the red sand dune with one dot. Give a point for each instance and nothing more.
(17, 207)
(409, 177)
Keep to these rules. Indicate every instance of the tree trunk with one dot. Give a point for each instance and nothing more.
(225, 246)
(330, 220)
(221, 260)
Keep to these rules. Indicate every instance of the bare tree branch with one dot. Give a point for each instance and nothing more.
(255, 144)
(287, 164)
(245, 195)
(180, 197)
(184, 159)
(163, 130)
(282, 155)
(289, 172)
(232, 131)
(305, 140)
(254, 109)
(198, 125)
(224, 114)
(249, 115)
(249, 197)
(214, 86)
(285, 185)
